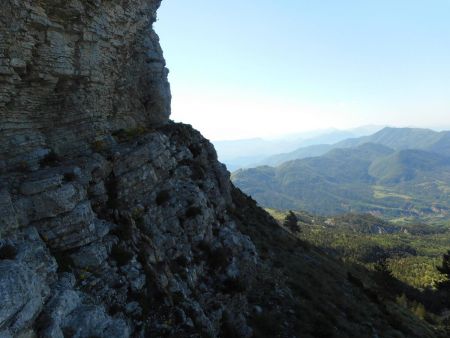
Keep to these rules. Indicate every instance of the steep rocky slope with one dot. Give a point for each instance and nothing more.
(327, 298)
(135, 239)
(116, 222)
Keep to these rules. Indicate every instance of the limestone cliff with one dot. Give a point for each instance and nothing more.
(111, 223)
(71, 72)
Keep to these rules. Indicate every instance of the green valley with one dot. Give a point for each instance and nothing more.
(411, 251)
(385, 179)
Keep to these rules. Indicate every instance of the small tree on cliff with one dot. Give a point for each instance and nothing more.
(291, 222)
(445, 270)
(445, 267)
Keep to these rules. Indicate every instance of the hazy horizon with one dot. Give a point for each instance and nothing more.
(261, 69)
(314, 132)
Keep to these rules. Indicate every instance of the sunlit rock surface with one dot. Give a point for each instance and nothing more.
(71, 72)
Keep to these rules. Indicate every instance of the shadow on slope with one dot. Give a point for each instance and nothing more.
(325, 298)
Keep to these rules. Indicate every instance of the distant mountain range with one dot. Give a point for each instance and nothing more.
(252, 152)
(396, 172)
(395, 138)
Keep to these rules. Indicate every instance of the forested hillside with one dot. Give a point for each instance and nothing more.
(370, 177)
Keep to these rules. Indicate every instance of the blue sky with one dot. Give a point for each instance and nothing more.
(262, 68)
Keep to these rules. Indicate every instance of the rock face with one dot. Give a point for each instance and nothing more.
(113, 221)
(72, 72)
(134, 239)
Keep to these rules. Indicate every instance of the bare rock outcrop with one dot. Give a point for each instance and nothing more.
(72, 72)
(114, 221)
(112, 224)
(135, 239)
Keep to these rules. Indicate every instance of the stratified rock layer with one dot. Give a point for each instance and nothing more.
(73, 71)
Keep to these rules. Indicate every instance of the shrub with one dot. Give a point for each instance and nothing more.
(267, 324)
(64, 261)
(195, 149)
(120, 255)
(198, 173)
(402, 301)
(219, 258)
(420, 311)
(162, 197)
(69, 177)
(193, 212)
(234, 285)
(50, 159)
(98, 145)
(123, 135)
(23, 167)
(8, 251)
(111, 188)
(291, 222)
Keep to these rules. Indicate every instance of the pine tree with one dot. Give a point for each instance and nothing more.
(445, 268)
(291, 222)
